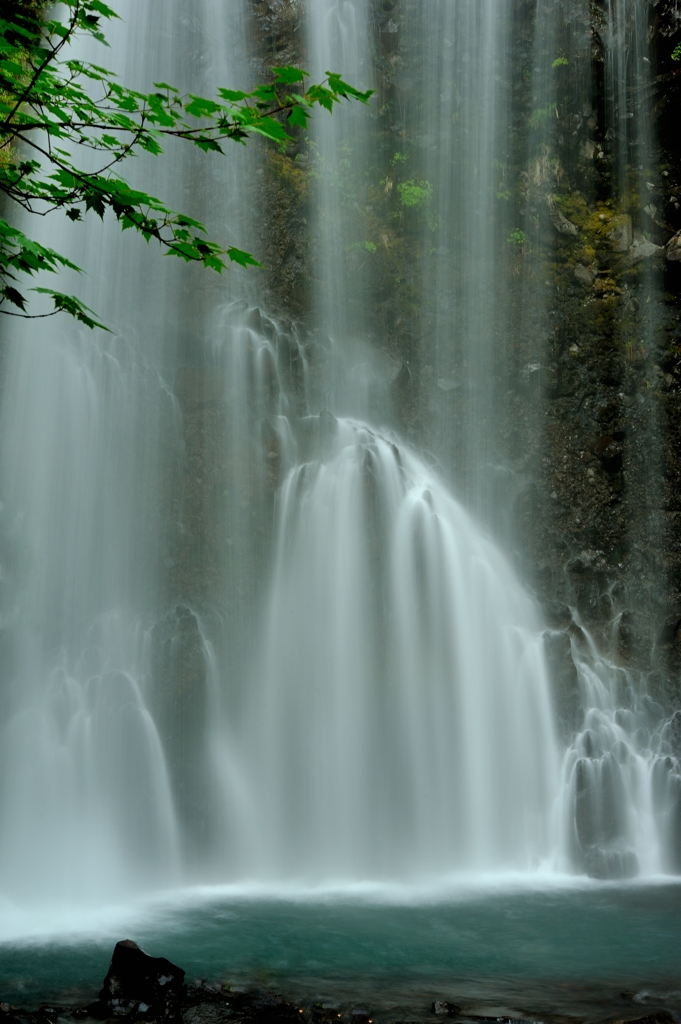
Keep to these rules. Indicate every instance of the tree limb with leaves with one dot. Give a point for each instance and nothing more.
(53, 109)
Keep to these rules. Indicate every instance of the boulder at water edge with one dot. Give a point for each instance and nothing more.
(140, 985)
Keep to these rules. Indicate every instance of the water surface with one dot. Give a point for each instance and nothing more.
(571, 950)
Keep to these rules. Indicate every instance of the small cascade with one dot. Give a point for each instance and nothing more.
(628, 80)
(85, 797)
(621, 793)
(339, 36)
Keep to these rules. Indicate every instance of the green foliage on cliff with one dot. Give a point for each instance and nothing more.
(517, 237)
(539, 117)
(415, 193)
(56, 112)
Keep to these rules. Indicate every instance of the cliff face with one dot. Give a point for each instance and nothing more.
(586, 370)
(598, 520)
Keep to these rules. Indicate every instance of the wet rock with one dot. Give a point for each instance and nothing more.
(673, 248)
(612, 864)
(444, 1009)
(578, 565)
(529, 372)
(630, 633)
(661, 1017)
(675, 733)
(558, 615)
(138, 984)
(621, 234)
(669, 633)
(560, 222)
(402, 382)
(642, 249)
(494, 1013)
(545, 377)
(206, 1013)
(549, 380)
(584, 275)
(558, 652)
(199, 386)
(611, 457)
(609, 451)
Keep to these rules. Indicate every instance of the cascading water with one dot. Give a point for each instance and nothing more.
(380, 738)
(90, 460)
(465, 107)
(619, 799)
(620, 807)
(339, 36)
(249, 632)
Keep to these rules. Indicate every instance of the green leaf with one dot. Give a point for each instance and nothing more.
(101, 8)
(244, 259)
(270, 128)
(60, 107)
(323, 96)
(298, 117)
(208, 145)
(13, 296)
(289, 75)
(200, 107)
(72, 305)
(234, 96)
(341, 88)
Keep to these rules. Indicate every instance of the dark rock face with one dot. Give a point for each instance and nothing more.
(610, 864)
(675, 733)
(141, 986)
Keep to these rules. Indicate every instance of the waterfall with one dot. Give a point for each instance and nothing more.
(339, 36)
(92, 460)
(466, 142)
(380, 737)
(258, 622)
(619, 802)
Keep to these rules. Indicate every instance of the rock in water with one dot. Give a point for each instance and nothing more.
(445, 1009)
(140, 985)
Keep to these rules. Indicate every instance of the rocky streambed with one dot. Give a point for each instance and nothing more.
(142, 988)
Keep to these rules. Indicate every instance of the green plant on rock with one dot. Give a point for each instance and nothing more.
(517, 237)
(54, 110)
(356, 247)
(415, 194)
(676, 52)
(539, 117)
(560, 62)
